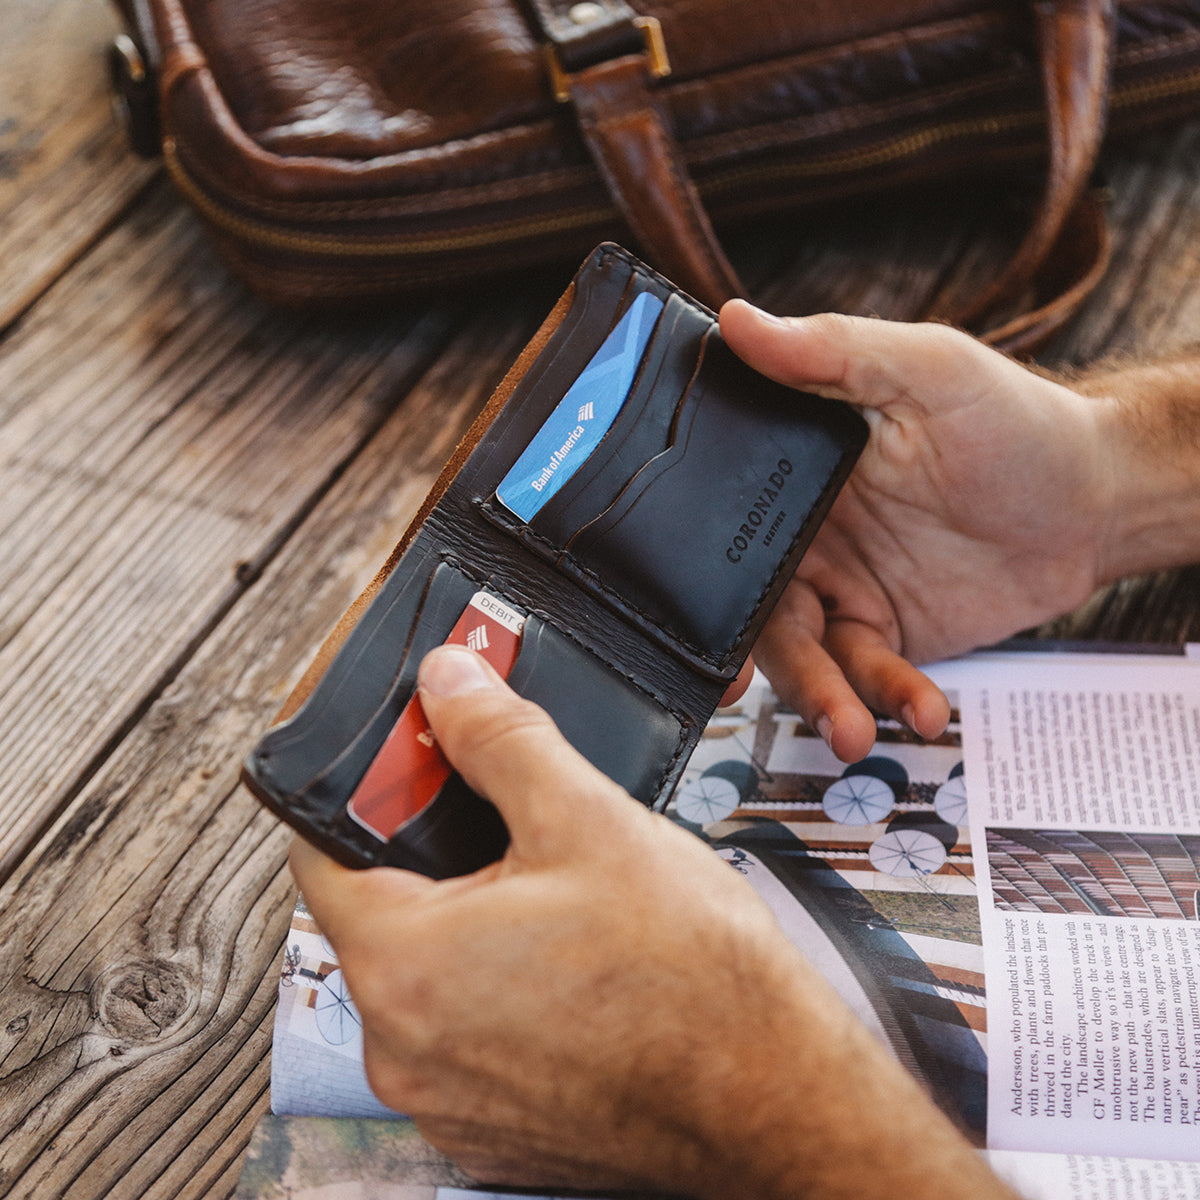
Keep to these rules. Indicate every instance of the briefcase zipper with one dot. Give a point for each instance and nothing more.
(231, 218)
(278, 236)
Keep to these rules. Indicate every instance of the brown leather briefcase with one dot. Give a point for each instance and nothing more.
(360, 148)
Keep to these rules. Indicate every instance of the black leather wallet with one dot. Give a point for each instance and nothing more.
(644, 578)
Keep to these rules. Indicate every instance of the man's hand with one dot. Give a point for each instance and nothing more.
(977, 509)
(611, 1004)
(540, 1019)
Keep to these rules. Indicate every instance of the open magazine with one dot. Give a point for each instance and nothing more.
(1013, 909)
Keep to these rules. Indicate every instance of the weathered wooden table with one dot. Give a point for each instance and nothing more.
(193, 488)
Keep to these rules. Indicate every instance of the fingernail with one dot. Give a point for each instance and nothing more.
(909, 716)
(825, 728)
(453, 671)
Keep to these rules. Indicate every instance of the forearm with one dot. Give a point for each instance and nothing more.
(820, 1110)
(1151, 422)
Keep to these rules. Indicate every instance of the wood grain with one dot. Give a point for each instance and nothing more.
(160, 433)
(141, 943)
(65, 172)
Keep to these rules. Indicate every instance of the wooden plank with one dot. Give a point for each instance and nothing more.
(1149, 302)
(140, 946)
(160, 432)
(901, 258)
(65, 170)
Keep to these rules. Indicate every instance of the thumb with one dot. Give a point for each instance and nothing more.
(870, 362)
(795, 351)
(511, 752)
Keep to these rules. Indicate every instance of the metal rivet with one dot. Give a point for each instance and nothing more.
(585, 13)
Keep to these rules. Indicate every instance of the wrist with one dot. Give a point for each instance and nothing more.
(1149, 419)
(815, 1107)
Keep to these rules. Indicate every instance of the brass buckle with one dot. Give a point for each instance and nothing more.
(657, 62)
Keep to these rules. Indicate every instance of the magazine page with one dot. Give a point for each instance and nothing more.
(316, 1046)
(1055, 1014)
(1084, 780)
(901, 944)
(1091, 1177)
(868, 869)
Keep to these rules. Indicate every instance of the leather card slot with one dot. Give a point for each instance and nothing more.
(326, 747)
(613, 723)
(642, 429)
(456, 833)
(695, 541)
(616, 725)
(600, 299)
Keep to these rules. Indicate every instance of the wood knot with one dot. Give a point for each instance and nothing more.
(142, 1001)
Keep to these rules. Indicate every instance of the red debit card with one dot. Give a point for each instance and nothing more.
(409, 769)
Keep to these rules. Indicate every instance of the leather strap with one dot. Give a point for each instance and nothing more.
(1076, 265)
(1076, 39)
(601, 60)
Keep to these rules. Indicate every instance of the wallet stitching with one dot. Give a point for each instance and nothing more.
(506, 585)
(525, 533)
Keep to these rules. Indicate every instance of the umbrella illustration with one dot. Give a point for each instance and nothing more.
(707, 799)
(884, 767)
(950, 801)
(907, 852)
(337, 1018)
(858, 800)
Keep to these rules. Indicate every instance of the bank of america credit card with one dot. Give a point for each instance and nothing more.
(409, 769)
(583, 416)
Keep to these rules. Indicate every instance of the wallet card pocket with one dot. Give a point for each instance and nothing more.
(699, 536)
(615, 724)
(319, 755)
(618, 727)
(309, 768)
(642, 429)
(690, 540)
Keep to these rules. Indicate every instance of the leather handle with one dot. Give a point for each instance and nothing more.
(1062, 283)
(1076, 40)
(604, 60)
(599, 62)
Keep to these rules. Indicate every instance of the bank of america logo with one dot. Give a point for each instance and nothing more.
(477, 639)
(587, 411)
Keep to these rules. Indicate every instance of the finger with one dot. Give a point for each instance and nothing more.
(510, 751)
(886, 681)
(811, 683)
(808, 679)
(783, 348)
(737, 689)
(339, 897)
(868, 361)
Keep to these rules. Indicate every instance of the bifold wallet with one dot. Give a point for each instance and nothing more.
(612, 532)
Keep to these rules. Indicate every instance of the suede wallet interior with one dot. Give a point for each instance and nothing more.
(644, 557)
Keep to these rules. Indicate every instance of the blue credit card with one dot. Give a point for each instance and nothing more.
(583, 416)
